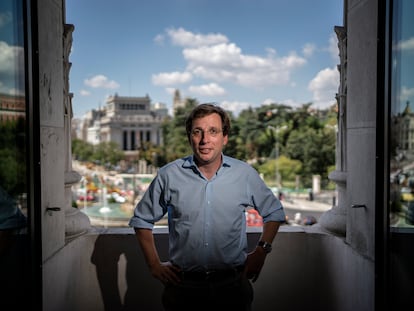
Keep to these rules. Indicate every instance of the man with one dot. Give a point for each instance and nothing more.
(206, 195)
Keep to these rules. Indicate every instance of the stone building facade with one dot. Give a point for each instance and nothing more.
(11, 107)
(130, 122)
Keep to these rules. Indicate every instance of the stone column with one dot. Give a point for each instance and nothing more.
(76, 222)
(334, 220)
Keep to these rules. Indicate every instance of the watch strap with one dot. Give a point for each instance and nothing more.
(267, 247)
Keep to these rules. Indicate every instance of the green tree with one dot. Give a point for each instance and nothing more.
(12, 156)
(319, 153)
(175, 137)
(232, 148)
(295, 145)
(306, 145)
(152, 154)
(287, 168)
(81, 150)
(249, 131)
(309, 140)
(104, 152)
(107, 153)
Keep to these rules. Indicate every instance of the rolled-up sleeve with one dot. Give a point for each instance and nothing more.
(264, 201)
(151, 207)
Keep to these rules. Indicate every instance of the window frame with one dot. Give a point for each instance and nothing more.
(31, 52)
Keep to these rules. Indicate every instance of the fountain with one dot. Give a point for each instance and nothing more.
(114, 206)
(105, 208)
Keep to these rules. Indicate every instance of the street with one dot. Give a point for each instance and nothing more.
(303, 211)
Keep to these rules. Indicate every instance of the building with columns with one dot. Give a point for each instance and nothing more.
(404, 130)
(130, 122)
(11, 107)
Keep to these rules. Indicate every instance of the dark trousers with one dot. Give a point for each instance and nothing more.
(230, 293)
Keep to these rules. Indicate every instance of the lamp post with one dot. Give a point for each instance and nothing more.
(276, 131)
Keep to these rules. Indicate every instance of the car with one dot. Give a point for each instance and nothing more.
(118, 198)
(89, 197)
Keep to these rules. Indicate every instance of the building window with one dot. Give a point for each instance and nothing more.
(125, 140)
(402, 116)
(148, 136)
(133, 143)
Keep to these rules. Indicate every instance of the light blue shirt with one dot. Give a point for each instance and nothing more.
(206, 218)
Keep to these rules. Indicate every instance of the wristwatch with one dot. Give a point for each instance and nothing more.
(267, 247)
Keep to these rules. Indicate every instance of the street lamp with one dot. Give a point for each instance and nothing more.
(276, 131)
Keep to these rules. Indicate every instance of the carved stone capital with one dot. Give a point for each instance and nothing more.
(76, 222)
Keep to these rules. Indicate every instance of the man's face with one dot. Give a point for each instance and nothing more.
(207, 139)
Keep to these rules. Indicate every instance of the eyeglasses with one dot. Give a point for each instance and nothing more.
(213, 132)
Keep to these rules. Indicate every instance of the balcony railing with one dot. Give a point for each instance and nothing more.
(105, 270)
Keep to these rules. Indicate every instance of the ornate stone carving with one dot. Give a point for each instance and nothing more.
(334, 220)
(76, 222)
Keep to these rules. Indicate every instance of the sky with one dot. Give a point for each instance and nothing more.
(237, 53)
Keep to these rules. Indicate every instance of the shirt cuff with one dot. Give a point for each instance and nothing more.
(278, 215)
(140, 223)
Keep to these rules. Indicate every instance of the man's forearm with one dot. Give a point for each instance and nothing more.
(147, 244)
(270, 230)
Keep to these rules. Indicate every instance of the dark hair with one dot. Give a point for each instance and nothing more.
(203, 110)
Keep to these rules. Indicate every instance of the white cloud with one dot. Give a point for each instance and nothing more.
(407, 45)
(211, 89)
(10, 91)
(170, 90)
(84, 93)
(291, 103)
(235, 106)
(226, 62)
(11, 58)
(287, 102)
(308, 49)
(217, 55)
(101, 81)
(159, 39)
(171, 78)
(269, 101)
(16, 92)
(182, 37)
(333, 48)
(406, 93)
(214, 58)
(271, 52)
(324, 87)
(11, 69)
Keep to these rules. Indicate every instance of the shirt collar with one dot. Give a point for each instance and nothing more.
(189, 162)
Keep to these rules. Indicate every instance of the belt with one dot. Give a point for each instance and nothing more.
(211, 275)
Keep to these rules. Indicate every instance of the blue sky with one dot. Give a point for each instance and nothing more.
(237, 53)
